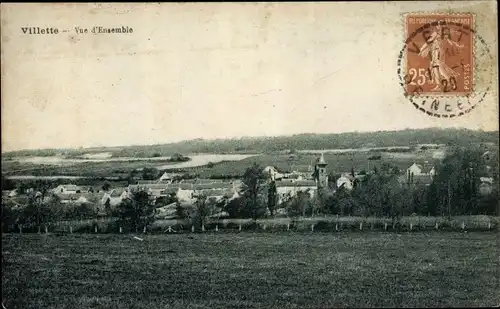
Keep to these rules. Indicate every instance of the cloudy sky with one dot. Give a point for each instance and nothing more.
(211, 71)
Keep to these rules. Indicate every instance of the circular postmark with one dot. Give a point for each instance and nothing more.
(445, 68)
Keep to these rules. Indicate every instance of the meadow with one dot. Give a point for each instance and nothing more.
(337, 162)
(251, 270)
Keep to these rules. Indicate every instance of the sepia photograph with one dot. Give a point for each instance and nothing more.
(250, 155)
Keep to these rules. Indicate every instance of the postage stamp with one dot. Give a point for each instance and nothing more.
(437, 65)
(440, 59)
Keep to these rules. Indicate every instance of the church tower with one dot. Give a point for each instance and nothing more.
(321, 175)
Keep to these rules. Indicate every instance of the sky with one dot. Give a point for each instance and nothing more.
(212, 71)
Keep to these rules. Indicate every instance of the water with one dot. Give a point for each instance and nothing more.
(196, 160)
(59, 160)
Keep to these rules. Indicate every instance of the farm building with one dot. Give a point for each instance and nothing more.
(421, 169)
(67, 189)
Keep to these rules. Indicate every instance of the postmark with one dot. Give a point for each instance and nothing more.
(439, 68)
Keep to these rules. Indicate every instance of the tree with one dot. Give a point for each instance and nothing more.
(107, 207)
(252, 187)
(150, 173)
(236, 208)
(136, 211)
(7, 184)
(106, 186)
(272, 197)
(299, 204)
(177, 157)
(39, 212)
(166, 200)
(456, 183)
(204, 208)
(10, 214)
(83, 211)
(318, 202)
(180, 212)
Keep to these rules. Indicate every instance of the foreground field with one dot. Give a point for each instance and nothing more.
(251, 270)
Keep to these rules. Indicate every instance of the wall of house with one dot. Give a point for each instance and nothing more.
(415, 170)
(284, 191)
(344, 181)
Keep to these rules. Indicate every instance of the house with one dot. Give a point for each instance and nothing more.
(273, 173)
(168, 177)
(486, 185)
(345, 181)
(419, 174)
(217, 190)
(66, 189)
(82, 200)
(115, 196)
(421, 180)
(155, 189)
(13, 193)
(421, 169)
(185, 192)
(289, 188)
(67, 198)
(488, 180)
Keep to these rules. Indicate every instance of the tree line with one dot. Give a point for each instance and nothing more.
(299, 141)
(455, 190)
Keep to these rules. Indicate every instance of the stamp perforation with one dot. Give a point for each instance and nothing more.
(478, 91)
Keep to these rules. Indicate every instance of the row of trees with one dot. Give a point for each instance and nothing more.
(39, 211)
(453, 191)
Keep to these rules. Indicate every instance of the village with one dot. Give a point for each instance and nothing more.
(170, 191)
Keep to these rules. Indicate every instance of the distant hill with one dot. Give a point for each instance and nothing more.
(304, 141)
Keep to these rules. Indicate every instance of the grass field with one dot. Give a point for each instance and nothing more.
(337, 162)
(251, 270)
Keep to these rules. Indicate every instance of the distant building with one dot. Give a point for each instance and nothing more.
(168, 177)
(288, 185)
(115, 196)
(273, 173)
(67, 189)
(13, 193)
(346, 182)
(419, 174)
(320, 173)
(486, 185)
(188, 191)
(421, 169)
(289, 188)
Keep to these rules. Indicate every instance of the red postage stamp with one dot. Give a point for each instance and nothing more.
(439, 54)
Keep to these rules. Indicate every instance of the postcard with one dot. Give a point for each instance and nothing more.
(250, 155)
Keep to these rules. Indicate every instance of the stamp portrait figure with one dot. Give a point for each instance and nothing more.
(435, 49)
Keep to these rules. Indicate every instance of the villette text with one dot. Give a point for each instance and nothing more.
(39, 30)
